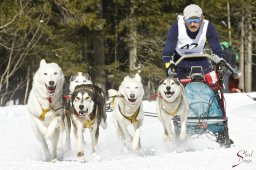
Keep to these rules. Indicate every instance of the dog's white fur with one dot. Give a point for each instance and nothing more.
(126, 102)
(88, 105)
(75, 80)
(170, 102)
(47, 83)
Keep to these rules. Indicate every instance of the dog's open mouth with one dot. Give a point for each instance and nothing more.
(132, 100)
(51, 89)
(83, 113)
(168, 94)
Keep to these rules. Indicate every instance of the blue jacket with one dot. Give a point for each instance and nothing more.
(172, 38)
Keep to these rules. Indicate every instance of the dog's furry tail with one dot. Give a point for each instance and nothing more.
(112, 93)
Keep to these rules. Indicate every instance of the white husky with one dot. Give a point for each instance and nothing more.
(127, 109)
(170, 102)
(45, 106)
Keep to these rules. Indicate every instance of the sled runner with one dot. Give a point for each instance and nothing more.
(204, 94)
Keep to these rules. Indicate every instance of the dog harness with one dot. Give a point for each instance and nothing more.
(89, 123)
(174, 112)
(133, 117)
(45, 111)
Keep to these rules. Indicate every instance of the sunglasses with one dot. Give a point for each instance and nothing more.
(195, 20)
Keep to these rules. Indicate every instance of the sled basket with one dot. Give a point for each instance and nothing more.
(204, 109)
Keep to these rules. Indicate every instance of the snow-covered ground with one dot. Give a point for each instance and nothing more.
(20, 150)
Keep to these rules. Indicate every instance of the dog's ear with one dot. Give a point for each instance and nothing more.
(161, 81)
(177, 81)
(42, 62)
(137, 77)
(71, 78)
(88, 77)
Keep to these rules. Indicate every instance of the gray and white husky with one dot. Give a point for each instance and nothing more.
(88, 111)
(171, 102)
(75, 80)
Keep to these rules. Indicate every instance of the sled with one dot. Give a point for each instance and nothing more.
(204, 94)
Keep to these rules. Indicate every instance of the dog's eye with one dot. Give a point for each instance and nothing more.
(55, 73)
(87, 98)
(77, 98)
(45, 74)
(84, 81)
(164, 83)
(76, 81)
(136, 87)
(172, 83)
(128, 87)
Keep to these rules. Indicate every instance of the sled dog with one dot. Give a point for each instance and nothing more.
(45, 106)
(77, 79)
(87, 110)
(170, 102)
(127, 109)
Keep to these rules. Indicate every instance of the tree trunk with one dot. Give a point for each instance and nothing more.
(229, 24)
(241, 63)
(99, 57)
(132, 41)
(248, 59)
(27, 87)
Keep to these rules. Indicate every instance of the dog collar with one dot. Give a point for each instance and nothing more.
(133, 117)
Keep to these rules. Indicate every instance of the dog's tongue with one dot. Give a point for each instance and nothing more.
(168, 94)
(51, 89)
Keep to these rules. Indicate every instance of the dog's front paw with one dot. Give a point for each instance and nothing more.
(80, 154)
(54, 160)
(95, 156)
(136, 145)
(182, 135)
(104, 125)
(166, 137)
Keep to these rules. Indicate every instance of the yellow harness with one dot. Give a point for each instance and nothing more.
(44, 111)
(133, 117)
(89, 123)
(173, 113)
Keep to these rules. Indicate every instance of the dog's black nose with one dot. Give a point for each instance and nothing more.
(51, 83)
(168, 88)
(132, 96)
(81, 107)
